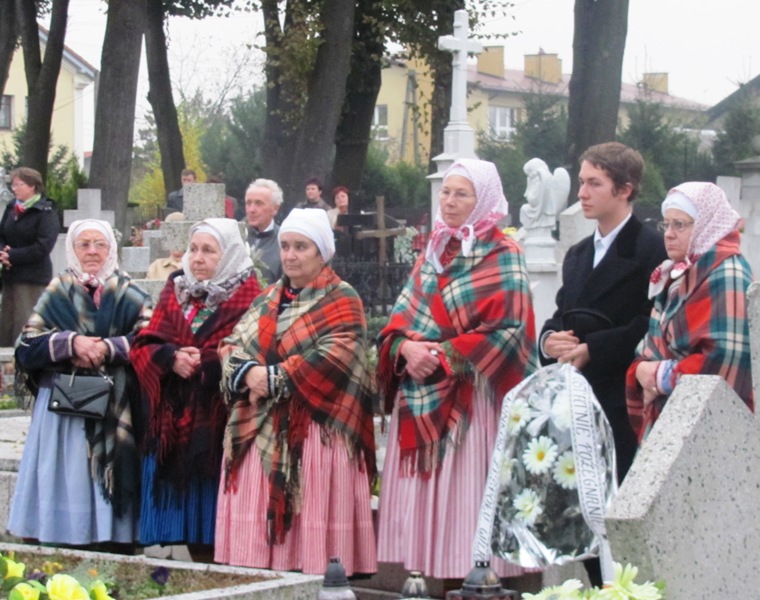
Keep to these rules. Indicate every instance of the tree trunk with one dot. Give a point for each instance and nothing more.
(326, 92)
(115, 111)
(279, 138)
(160, 97)
(363, 84)
(8, 37)
(41, 79)
(598, 45)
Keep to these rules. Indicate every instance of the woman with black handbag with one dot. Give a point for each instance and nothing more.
(78, 483)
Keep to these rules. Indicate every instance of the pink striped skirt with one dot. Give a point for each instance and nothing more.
(335, 517)
(429, 524)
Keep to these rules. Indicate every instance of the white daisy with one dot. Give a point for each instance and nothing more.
(507, 467)
(528, 506)
(561, 413)
(518, 414)
(564, 471)
(540, 455)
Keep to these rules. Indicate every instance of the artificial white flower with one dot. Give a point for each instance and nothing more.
(567, 591)
(518, 414)
(560, 412)
(540, 411)
(528, 506)
(624, 588)
(540, 455)
(507, 466)
(564, 471)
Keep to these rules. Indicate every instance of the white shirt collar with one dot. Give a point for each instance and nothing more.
(603, 243)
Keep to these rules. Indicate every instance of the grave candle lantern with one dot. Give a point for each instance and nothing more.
(482, 583)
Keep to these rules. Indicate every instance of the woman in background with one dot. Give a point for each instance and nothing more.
(699, 322)
(28, 232)
(176, 358)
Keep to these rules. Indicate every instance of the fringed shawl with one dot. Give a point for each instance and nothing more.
(480, 308)
(186, 416)
(703, 325)
(124, 309)
(319, 345)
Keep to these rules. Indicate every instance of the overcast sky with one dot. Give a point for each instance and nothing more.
(707, 47)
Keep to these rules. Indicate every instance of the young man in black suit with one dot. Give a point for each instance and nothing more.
(602, 306)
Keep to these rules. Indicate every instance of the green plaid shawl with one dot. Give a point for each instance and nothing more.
(124, 309)
(480, 308)
(319, 344)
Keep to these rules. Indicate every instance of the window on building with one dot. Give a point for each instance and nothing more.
(5, 112)
(380, 122)
(502, 121)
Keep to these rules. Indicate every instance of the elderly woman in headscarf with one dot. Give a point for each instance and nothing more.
(699, 323)
(78, 482)
(460, 336)
(299, 452)
(176, 358)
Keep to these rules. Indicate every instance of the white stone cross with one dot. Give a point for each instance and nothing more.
(460, 47)
(88, 207)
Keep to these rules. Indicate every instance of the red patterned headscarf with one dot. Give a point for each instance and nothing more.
(490, 207)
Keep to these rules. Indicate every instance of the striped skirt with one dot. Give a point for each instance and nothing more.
(429, 524)
(335, 517)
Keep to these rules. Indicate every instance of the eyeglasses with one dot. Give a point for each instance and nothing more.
(458, 195)
(676, 225)
(86, 245)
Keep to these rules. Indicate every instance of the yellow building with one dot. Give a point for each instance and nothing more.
(496, 99)
(74, 102)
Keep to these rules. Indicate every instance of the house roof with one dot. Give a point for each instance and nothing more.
(515, 81)
(753, 85)
(81, 66)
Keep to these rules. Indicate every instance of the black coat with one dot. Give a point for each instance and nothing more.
(31, 239)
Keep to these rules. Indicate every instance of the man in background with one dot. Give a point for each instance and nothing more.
(263, 199)
(313, 196)
(176, 199)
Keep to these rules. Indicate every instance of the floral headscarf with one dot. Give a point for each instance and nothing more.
(235, 261)
(491, 206)
(714, 220)
(73, 264)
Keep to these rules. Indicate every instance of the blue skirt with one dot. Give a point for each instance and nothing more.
(56, 500)
(174, 517)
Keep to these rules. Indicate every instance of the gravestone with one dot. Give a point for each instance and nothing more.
(458, 136)
(744, 195)
(687, 509)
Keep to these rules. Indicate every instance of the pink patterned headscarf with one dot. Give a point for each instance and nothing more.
(714, 220)
(491, 205)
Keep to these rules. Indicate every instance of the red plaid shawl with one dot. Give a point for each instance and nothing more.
(704, 327)
(187, 416)
(320, 346)
(480, 308)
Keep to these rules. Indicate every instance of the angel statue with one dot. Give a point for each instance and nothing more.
(546, 195)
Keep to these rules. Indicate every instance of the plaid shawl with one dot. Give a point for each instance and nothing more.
(480, 308)
(124, 309)
(703, 326)
(319, 344)
(186, 416)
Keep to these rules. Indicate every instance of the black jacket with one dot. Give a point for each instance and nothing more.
(31, 239)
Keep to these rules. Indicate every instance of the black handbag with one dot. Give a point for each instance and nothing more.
(78, 395)
(583, 321)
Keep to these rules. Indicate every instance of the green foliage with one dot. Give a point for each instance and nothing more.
(403, 185)
(233, 146)
(509, 159)
(541, 133)
(64, 177)
(734, 143)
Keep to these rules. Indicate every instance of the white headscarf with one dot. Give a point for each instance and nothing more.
(714, 219)
(491, 205)
(235, 260)
(73, 264)
(315, 225)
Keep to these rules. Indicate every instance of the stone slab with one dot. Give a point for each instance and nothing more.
(687, 510)
(203, 200)
(280, 586)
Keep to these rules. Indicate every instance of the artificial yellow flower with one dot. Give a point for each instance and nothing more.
(14, 569)
(24, 591)
(99, 591)
(65, 587)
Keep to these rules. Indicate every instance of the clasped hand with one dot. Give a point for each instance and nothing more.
(187, 360)
(566, 348)
(421, 359)
(90, 352)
